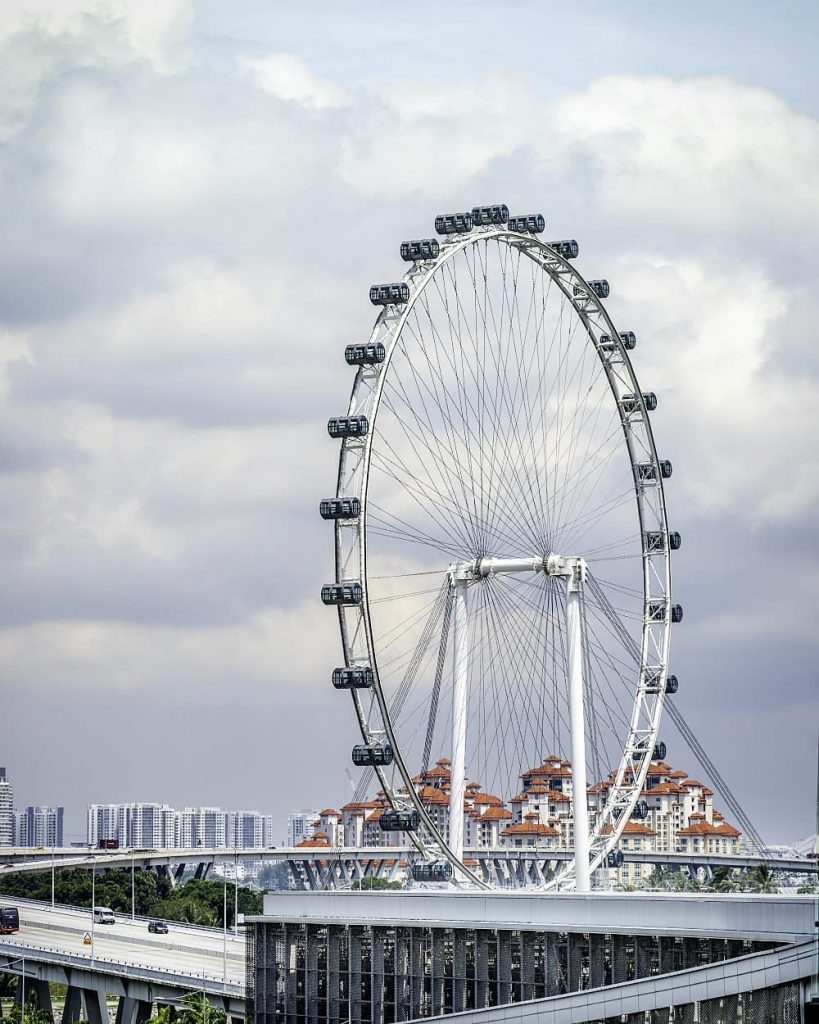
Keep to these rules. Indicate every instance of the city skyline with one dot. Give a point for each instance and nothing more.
(195, 206)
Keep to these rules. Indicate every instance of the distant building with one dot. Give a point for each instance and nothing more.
(6, 810)
(301, 825)
(249, 830)
(201, 827)
(40, 826)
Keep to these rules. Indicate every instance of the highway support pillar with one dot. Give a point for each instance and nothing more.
(133, 1011)
(96, 1009)
(72, 1009)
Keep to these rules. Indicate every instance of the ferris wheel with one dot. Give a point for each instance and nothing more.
(502, 552)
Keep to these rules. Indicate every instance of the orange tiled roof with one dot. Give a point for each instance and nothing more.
(487, 798)
(702, 828)
(664, 789)
(318, 839)
(432, 795)
(495, 814)
(328, 813)
(632, 828)
(529, 828)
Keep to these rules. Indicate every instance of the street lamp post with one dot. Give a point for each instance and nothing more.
(52, 874)
(133, 888)
(224, 934)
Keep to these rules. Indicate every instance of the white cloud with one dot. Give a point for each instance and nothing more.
(287, 78)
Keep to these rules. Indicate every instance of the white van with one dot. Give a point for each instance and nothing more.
(104, 915)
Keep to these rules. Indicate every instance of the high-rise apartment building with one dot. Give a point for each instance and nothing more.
(201, 827)
(6, 810)
(301, 825)
(40, 826)
(248, 829)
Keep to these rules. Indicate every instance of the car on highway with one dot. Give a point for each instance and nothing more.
(158, 927)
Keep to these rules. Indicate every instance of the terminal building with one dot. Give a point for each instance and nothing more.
(487, 958)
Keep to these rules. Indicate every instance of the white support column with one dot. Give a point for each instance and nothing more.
(580, 800)
(460, 649)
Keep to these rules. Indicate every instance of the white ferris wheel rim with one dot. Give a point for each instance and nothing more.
(351, 546)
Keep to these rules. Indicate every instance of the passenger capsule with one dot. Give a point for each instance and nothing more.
(671, 684)
(567, 248)
(640, 811)
(453, 223)
(359, 677)
(389, 294)
(628, 339)
(674, 541)
(420, 249)
(660, 751)
(342, 593)
(647, 471)
(676, 613)
(600, 289)
(483, 215)
(631, 403)
(653, 678)
(440, 871)
(367, 756)
(339, 508)
(399, 821)
(528, 223)
(615, 859)
(348, 426)
(365, 355)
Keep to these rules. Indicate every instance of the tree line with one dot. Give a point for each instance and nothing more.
(195, 902)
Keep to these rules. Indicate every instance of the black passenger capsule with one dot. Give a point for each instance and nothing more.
(630, 403)
(399, 821)
(660, 751)
(528, 223)
(671, 684)
(453, 223)
(482, 215)
(674, 541)
(440, 871)
(628, 340)
(348, 426)
(341, 593)
(665, 469)
(365, 355)
(640, 811)
(420, 249)
(567, 248)
(600, 289)
(676, 613)
(615, 859)
(339, 508)
(395, 294)
(367, 756)
(653, 679)
(359, 677)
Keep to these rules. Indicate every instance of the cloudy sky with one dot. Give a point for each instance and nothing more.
(194, 199)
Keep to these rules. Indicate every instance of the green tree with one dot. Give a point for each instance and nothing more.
(761, 879)
(196, 1009)
(375, 883)
(32, 1015)
(724, 879)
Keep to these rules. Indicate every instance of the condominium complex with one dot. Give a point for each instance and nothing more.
(158, 826)
(6, 810)
(674, 813)
(40, 826)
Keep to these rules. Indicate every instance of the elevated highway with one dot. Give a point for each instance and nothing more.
(319, 868)
(124, 960)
